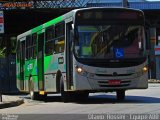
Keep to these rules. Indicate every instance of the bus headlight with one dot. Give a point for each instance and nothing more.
(142, 71)
(145, 69)
(79, 70)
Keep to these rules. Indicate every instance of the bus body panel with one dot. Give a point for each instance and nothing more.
(52, 65)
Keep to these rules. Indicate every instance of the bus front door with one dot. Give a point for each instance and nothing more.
(40, 61)
(69, 57)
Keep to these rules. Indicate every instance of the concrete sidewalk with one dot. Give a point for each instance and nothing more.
(10, 101)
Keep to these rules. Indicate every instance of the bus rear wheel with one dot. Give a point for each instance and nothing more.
(65, 96)
(120, 94)
(33, 95)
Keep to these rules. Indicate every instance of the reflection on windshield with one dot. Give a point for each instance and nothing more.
(110, 41)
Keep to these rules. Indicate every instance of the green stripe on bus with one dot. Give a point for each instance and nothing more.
(54, 21)
(47, 61)
(37, 29)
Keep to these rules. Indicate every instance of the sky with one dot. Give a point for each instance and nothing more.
(153, 0)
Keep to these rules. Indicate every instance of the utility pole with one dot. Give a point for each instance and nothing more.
(0, 97)
(0, 90)
(125, 3)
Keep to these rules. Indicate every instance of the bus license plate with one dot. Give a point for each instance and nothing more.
(114, 82)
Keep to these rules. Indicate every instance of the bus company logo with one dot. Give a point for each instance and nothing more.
(29, 67)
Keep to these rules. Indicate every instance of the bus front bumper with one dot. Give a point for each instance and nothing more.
(90, 84)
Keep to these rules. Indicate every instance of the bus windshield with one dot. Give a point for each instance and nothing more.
(109, 41)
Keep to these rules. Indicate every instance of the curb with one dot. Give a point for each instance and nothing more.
(153, 81)
(11, 104)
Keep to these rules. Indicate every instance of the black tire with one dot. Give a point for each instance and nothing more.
(120, 94)
(65, 97)
(43, 97)
(81, 96)
(71, 96)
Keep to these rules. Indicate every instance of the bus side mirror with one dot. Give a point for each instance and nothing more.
(71, 39)
(71, 34)
(72, 25)
(147, 40)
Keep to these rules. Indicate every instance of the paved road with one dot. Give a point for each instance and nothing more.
(137, 102)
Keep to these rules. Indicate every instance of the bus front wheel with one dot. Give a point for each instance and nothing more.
(120, 94)
(81, 96)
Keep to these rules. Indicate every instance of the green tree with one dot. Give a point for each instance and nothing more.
(2, 52)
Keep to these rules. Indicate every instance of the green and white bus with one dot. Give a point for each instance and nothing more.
(84, 51)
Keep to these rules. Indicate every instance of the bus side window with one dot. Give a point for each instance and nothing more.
(60, 30)
(59, 35)
(34, 40)
(59, 46)
(49, 40)
(31, 46)
(28, 44)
